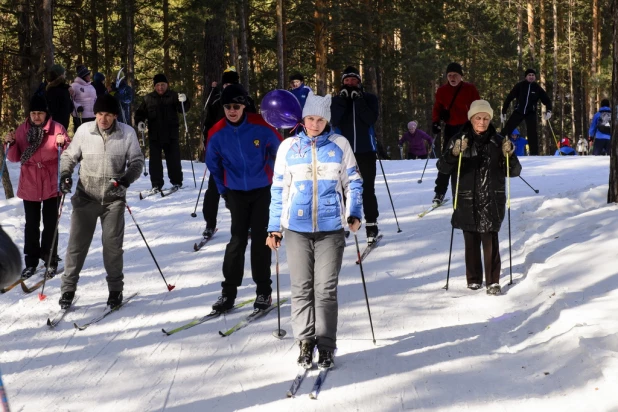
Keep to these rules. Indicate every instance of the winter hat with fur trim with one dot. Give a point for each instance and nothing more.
(480, 106)
(317, 106)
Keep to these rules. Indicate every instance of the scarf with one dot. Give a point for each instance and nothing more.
(35, 137)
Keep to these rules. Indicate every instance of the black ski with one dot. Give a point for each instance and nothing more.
(105, 314)
(53, 322)
(368, 249)
(167, 192)
(198, 246)
(317, 384)
(212, 315)
(147, 193)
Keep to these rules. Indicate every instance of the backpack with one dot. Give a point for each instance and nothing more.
(604, 124)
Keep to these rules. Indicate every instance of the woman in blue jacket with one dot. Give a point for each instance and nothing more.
(314, 172)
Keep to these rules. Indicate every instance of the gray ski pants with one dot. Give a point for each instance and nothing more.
(314, 261)
(83, 224)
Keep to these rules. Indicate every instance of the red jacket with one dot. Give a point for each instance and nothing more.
(38, 178)
(461, 105)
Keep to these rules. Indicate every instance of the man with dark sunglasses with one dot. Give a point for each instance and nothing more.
(240, 156)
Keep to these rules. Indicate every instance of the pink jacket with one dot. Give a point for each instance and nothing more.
(38, 178)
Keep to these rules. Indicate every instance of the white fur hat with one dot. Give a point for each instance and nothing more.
(480, 106)
(317, 106)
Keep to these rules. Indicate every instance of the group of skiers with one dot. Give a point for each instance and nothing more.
(307, 189)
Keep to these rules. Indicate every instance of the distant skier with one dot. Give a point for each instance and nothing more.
(240, 155)
(601, 129)
(565, 148)
(84, 95)
(481, 200)
(315, 164)
(416, 141)
(110, 160)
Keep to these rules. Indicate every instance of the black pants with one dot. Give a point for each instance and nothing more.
(491, 257)
(514, 121)
(211, 204)
(77, 122)
(367, 167)
(601, 147)
(249, 210)
(443, 179)
(172, 160)
(36, 246)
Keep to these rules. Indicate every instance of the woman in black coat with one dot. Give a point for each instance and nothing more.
(482, 198)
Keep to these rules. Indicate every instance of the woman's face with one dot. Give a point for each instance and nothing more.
(38, 118)
(480, 122)
(315, 125)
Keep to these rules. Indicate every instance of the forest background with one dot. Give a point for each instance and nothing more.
(402, 48)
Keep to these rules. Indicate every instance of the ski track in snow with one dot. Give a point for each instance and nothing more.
(549, 342)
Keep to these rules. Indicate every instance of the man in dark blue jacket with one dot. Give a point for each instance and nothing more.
(353, 115)
(240, 155)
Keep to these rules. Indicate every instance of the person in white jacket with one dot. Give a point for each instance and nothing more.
(316, 190)
(84, 95)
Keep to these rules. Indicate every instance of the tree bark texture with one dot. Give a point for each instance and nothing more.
(612, 193)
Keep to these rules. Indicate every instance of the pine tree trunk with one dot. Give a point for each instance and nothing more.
(571, 85)
(166, 37)
(520, 37)
(94, 36)
(556, 85)
(592, 101)
(544, 140)
(107, 54)
(531, 38)
(130, 22)
(612, 194)
(280, 57)
(48, 33)
(244, 49)
(321, 55)
(6, 179)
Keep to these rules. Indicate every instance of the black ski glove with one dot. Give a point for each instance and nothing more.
(436, 128)
(66, 182)
(356, 94)
(344, 93)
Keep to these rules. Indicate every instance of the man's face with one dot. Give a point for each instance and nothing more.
(453, 78)
(514, 136)
(105, 120)
(531, 77)
(233, 111)
(295, 84)
(38, 118)
(351, 81)
(160, 88)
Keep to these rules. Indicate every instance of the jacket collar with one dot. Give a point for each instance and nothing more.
(81, 81)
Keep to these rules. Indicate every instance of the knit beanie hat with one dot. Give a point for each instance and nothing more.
(38, 104)
(106, 103)
(480, 106)
(605, 103)
(530, 71)
(412, 123)
(351, 71)
(317, 106)
(159, 78)
(454, 68)
(297, 76)
(82, 71)
(55, 71)
(230, 77)
(99, 77)
(234, 93)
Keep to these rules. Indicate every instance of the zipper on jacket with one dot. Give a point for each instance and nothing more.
(527, 97)
(354, 122)
(244, 175)
(104, 167)
(314, 167)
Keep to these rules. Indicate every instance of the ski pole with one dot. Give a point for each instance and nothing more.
(508, 209)
(6, 153)
(389, 194)
(450, 251)
(401, 152)
(423, 174)
(535, 190)
(184, 116)
(169, 287)
(144, 146)
(5, 399)
(200, 192)
(360, 263)
(55, 237)
(208, 99)
(555, 139)
(279, 333)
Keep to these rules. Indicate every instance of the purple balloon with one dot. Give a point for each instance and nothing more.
(281, 109)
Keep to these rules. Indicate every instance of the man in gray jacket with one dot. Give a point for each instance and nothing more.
(111, 160)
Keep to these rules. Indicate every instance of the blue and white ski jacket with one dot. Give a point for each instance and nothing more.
(311, 178)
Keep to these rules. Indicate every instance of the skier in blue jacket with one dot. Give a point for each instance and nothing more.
(314, 172)
(600, 129)
(240, 156)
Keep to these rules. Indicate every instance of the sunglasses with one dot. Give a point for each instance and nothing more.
(232, 106)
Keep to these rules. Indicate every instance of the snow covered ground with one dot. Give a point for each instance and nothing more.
(549, 343)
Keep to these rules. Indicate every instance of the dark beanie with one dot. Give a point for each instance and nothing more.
(297, 76)
(159, 78)
(106, 103)
(351, 71)
(82, 71)
(234, 93)
(454, 68)
(54, 72)
(530, 71)
(230, 77)
(38, 104)
(605, 103)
